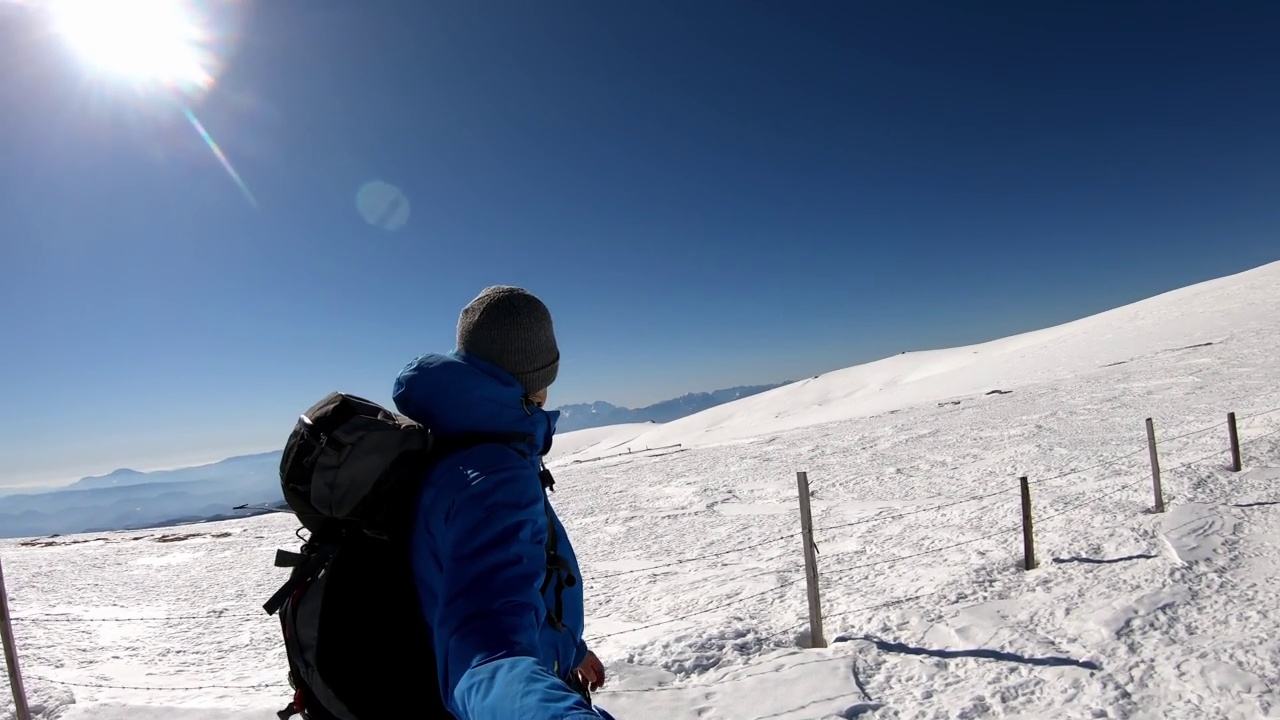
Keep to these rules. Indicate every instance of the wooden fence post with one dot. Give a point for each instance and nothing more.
(810, 563)
(1234, 435)
(1155, 466)
(1028, 539)
(11, 654)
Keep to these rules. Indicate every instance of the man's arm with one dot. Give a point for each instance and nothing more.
(491, 611)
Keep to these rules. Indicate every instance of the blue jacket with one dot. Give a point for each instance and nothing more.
(479, 549)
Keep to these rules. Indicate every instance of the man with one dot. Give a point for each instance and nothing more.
(507, 626)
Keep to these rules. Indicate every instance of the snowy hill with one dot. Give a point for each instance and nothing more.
(595, 441)
(1177, 323)
(694, 573)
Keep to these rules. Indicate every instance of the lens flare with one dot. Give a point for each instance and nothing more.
(382, 205)
(221, 156)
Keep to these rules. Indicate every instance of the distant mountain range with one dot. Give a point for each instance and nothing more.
(129, 499)
(588, 415)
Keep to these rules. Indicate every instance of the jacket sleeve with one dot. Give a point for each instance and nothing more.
(490, 610)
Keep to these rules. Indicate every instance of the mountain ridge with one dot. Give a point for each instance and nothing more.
(582, 416)
(126, 498)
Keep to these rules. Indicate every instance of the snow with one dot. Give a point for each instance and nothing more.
(1207, 312)
(694, 572)
(594, 442)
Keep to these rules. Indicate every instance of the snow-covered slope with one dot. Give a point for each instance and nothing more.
(694, 573)
(1203, 313)
(595, 442)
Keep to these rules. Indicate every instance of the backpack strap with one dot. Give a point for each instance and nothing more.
(557, 566)
(305, 569)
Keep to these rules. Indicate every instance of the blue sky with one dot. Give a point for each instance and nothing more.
(705, 194)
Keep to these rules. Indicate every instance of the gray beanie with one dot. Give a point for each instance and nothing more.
(512, 329)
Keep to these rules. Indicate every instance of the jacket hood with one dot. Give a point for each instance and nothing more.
(455, 393)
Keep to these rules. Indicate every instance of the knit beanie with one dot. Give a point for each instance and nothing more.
(512, 329)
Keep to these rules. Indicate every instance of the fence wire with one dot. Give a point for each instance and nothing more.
(740, 600)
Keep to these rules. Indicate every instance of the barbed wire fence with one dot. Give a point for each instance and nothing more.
(1012, 529)
(1093, 499)
(1132, 480)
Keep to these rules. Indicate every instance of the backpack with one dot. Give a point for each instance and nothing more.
(350, 472)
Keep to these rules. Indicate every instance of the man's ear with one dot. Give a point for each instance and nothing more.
(539, 398)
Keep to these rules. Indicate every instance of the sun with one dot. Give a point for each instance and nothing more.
(144, 42)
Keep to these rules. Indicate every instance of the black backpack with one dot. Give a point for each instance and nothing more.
(350, 472)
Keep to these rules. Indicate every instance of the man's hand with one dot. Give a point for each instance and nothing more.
(591, 672)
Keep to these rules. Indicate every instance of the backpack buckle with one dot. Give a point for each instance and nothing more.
(317, 436)
(286, 559)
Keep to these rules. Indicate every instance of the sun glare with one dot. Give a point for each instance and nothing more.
(140, 41)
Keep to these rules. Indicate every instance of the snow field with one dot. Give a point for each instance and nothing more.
(693, 564)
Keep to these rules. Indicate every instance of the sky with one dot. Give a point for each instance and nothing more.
(705, 195)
